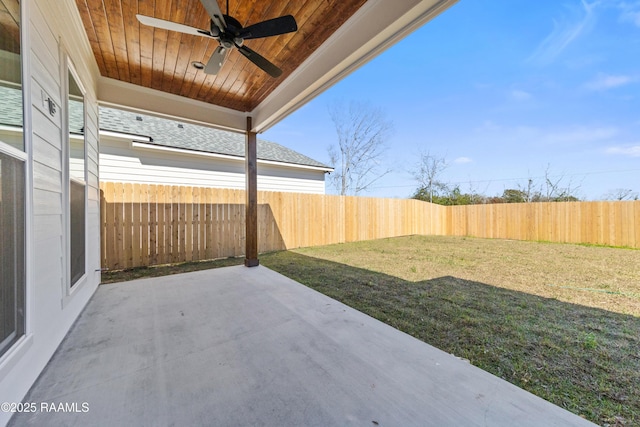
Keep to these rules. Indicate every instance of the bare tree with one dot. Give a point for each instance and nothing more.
(621, 194)
(428, 172)
(531, 192)
(550, 188)
(476, 196)
(362, 131)
(559, 189)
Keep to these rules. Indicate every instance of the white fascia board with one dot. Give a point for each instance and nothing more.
(10, 129)
(377, 25)
(12, 151)
(130, 97)
(8, 149)
(126, 136)
(295, 165)
(147, 146)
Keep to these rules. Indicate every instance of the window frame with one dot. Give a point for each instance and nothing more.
(13, 353)
(67, 67)
(19, 283)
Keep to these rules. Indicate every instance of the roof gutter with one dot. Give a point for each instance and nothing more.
(148, 146)
(127, 136)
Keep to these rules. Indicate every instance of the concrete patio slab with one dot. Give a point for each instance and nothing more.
(249, 347)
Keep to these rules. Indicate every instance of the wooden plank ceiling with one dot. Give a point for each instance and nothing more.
(159, 59)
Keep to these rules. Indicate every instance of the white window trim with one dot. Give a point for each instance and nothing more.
(14, 354)
(19, 349)
(68, 291)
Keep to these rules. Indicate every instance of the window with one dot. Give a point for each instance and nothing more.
(10, 75)
(11, 250)
(77, 180)
(12, 180)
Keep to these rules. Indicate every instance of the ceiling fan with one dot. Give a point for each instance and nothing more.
(230, 34)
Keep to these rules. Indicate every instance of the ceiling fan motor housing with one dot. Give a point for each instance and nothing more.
(230, 36)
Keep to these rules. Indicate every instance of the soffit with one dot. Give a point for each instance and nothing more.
(148, 69)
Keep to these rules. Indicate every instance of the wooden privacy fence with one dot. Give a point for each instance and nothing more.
(145, 225)
(155, 224)
(602, 223)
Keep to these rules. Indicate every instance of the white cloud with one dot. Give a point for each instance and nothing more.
(520, 95)
(632, 16)
(462, 160)
(630, 12)
(631, 150)
(605, 82)
(562, 135)
(564, 32)
(581, 135)
(488, 126)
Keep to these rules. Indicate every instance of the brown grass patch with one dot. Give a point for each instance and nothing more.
(602, 277)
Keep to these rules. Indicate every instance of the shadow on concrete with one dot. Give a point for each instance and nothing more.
(243, 346)
(583, 359)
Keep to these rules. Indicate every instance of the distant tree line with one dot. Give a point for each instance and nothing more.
(550, 188)
(362, 132)
(452, 196)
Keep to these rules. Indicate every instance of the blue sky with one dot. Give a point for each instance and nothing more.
(503, 90)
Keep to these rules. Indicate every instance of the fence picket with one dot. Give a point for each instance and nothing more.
(153, 225)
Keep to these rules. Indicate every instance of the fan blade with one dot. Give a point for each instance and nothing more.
(272, 27)
(214, 12)
(260, 61)
(216, 61)
(171, 26)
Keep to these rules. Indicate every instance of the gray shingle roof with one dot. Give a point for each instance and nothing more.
(171, 133)
(11, 106)
(11, 110)
(164, 132)
(76, 117)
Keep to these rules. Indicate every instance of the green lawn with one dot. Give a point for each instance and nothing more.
(561, 321)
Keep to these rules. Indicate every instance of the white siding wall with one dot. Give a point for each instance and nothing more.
(50, 313)
(120, 162)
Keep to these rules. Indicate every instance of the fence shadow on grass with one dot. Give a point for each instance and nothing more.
(584, 359)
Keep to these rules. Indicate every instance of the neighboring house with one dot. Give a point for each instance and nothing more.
(145, 149)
